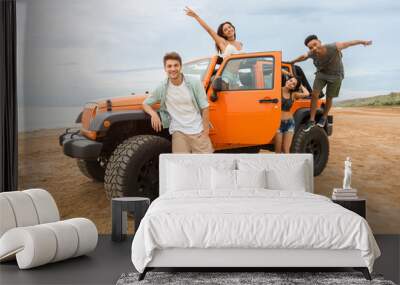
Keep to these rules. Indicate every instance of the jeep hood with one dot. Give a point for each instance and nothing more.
(132, 102)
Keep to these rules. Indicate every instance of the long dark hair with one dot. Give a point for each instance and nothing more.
(298, 84)
(286, 77)
(296, 87)
(220, 33)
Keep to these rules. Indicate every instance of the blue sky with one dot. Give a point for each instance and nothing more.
(73, 51)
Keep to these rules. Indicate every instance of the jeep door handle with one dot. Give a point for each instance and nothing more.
(275, 100)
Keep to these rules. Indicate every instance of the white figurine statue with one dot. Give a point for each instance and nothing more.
(347, 174)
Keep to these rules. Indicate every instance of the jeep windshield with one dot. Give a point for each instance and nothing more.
(196, 68)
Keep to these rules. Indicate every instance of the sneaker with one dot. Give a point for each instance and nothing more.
(309, 126)
(321, 123)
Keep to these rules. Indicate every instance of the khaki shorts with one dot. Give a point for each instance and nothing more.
(332, 87)
(197, 143)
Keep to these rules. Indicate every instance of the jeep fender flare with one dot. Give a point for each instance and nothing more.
(303, 114)
(115, 117)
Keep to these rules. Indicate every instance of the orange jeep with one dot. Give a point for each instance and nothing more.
(117, 145)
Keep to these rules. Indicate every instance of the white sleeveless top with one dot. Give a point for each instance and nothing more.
(231, 49)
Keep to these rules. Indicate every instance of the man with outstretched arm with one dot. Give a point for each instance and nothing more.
(183, 109)
(327, 58)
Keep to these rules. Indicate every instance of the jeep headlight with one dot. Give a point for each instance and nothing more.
(89, 113)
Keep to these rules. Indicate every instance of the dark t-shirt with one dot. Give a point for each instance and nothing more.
(329, 66)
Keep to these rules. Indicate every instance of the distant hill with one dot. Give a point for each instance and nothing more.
(392, 99)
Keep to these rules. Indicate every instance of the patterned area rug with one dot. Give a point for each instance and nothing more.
(273, 278)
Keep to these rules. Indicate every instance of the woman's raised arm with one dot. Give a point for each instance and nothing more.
(301, 94)
(220, 41)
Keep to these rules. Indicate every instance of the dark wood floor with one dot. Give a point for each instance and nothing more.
(110, 260)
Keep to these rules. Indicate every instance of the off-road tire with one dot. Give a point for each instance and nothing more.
(91, 169)
(132, 169)
(316, 142)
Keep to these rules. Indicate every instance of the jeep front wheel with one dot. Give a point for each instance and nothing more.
(92, 169)
(315, 142)
(132, 169)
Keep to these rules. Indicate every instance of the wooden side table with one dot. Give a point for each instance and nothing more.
(119, 208)
(357, 206)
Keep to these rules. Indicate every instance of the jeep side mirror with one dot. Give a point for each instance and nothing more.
(214, 97)
(219, 84)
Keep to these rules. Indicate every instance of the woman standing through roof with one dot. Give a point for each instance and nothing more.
(225, 44)
(225, 37)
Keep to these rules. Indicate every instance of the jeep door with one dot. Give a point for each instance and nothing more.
(247, 109)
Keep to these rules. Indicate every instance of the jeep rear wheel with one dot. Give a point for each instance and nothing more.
(315, 142)
(92, 169)
(132, 169)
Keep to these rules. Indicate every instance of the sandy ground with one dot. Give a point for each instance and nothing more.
(369, 135)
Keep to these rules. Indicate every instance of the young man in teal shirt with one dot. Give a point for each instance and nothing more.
(183, 109)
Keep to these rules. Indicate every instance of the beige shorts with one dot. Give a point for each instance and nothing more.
(197, 143)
